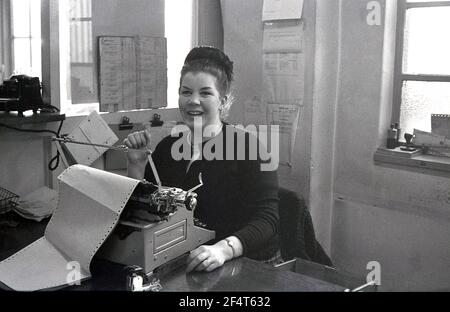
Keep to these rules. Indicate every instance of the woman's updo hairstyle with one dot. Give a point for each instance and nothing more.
(217, 63)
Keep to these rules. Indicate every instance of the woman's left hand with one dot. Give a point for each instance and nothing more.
(206, 258)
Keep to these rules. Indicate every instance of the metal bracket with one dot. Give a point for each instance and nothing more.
(137, 280)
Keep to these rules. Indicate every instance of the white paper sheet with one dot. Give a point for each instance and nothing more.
(90, 204)
(283, 36)
(430, 139)
(284, 75)
(133, 73)
(287, 117)
(284, 78)
(282, 9)
(254, 111)
(92, 129)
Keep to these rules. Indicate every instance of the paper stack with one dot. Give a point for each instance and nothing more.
(37, 205)
(437, 145)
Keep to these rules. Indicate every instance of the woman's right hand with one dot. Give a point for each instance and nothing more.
(139, 142)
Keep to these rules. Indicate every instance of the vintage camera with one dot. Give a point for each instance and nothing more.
(21, 93)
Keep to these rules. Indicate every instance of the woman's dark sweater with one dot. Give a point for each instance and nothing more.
(237, 197)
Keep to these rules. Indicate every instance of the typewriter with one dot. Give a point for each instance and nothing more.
(156, 227)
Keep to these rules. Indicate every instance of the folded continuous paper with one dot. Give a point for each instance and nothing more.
(89, 207)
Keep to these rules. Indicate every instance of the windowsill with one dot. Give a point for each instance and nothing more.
(419, 161)
(12, 118)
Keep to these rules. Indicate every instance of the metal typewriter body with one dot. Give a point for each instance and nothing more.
(156, 226)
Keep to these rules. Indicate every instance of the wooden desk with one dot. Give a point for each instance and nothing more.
(245, 274)
(238, 275)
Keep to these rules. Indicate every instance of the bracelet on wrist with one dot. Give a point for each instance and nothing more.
(231, 245)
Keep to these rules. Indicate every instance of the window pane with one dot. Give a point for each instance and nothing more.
(178, 31)
(22, 56)
(421, 99)
(20, 18)
(36, 60)
(81, 52)
(35, 18)
(426, 45)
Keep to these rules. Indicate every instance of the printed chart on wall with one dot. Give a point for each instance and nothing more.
(133, 73)
(283, 93)
(283, 69)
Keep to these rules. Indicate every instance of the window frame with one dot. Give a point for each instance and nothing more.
(399, 76)
(29, 38)
(5, 37)
(54, 60)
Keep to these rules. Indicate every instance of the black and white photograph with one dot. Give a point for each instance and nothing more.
(233, 154)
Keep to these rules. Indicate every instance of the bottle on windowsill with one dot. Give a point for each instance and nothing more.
(396, 126)
(392, 138)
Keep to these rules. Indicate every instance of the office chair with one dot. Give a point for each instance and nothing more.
(296, 230)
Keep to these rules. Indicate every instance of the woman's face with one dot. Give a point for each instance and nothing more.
(199, 99)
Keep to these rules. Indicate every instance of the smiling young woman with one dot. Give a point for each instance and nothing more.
(237, 200)
(200, 100)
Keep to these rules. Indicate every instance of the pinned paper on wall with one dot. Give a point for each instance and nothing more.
(284, 75)
(283, 78)
(286, 116)
(254, 111)
(283, 115)
(283, 36)
(282, 9)
(133, 73)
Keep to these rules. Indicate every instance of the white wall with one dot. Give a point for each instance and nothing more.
(243, 39)
(210, 28)
(324, 118)
(395, 216)
(22, 160)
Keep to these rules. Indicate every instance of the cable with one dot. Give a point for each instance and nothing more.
(49, 106)
(58, 155)
(56, 158)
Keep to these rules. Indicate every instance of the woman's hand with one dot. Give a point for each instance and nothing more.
(139, 140)
(206, 258)
(137, 157)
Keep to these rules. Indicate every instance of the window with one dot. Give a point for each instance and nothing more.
(179, 31)
(422, 64)
(67, 46)
(81, 52)
(25, 37)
